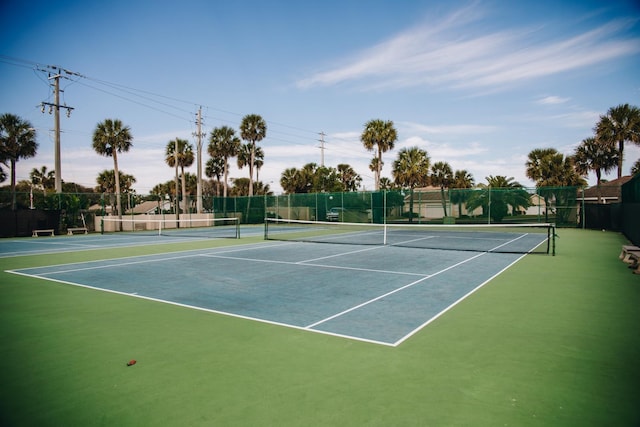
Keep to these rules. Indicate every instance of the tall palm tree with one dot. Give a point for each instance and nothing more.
(621, 124)
(224, 144)
(411, 170)
(179, 153)
(110, 138)
(17, 141)
(462, 181)
(591, 155)
(253, 129)
(442, 176)
(381, 135)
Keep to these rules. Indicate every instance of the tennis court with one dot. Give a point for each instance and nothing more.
(549, 341)
(12, 247)
(381, 294)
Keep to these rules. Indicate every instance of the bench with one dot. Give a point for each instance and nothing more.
(50, 232)
(631, 255)
(625, 254)
(635, 261)
(71, 230)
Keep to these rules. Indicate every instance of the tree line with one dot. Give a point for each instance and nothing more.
(412, 168)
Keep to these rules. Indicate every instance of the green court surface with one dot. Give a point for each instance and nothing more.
(549, 341)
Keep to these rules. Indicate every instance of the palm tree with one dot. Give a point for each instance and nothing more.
(180, 153)
(553, 172)
(224, 144)
(241, 187)
(258, 161)
(42, 179)
(385, 183)
(349, 178)
(635, 169)
(290, 181)
(110, 138)
(106, 181)
(538, 165)
(374, 166)
(442, 176)
(253, 129)
(621, 124)
(215, 169)
(462, 181)
(17, 141)
(411, 170)
(591, 155)
(496, 203)
(382, 135)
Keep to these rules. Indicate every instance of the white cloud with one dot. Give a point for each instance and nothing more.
(551, 100)
(436, 53)
(452, 130)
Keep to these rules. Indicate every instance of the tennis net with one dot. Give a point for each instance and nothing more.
(502, 238)
(202, 227)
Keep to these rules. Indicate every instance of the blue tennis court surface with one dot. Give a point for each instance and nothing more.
(11, 247)
(378, 294)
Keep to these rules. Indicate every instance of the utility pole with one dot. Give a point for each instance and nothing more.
(56, 107)
(198, 135)
(321, 149)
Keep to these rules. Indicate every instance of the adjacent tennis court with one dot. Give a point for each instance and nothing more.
(141, 237)
(381, 293)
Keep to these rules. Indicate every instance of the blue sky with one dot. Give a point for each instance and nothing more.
(477, 84)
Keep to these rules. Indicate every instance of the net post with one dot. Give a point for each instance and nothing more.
(553, 240)
(266, 228)
(237, 227)
(384, 233)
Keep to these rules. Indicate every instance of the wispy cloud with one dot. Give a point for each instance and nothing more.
(551, 100)
(435, 54)
(459, 129)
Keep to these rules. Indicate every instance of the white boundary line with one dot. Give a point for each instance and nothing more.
(459, 300)
(208, 310)
(304, 262)
(393, 292)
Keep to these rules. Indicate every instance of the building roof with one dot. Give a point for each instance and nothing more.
(148, 207)
(608, 191)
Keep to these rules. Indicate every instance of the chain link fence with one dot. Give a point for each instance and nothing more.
(563, 206)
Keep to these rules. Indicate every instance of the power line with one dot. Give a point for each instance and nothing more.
(164, 104)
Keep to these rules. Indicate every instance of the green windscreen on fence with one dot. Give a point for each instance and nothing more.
(563, 206)
(461, 206)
